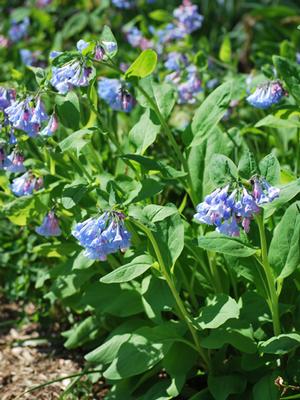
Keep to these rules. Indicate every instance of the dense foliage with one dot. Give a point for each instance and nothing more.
(149, 174)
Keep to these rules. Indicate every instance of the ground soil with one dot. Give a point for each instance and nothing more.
(28, 359)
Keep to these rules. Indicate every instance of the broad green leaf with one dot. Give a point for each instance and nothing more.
(68, 110)
(157, 213)
(216, 242)
(85, 331)
(73, 193)
(287, 193)
(284, 252)
(169, 235)
(144, 132)
(210, 112)
(218, 310)
(107, 352)
(222, 170)
(76, 141)
(290, 72)
(272, 121)
(236, 333)
(270, 169)
(247, 165)
(164, 95)
(129, 271)
(75, 24)
(281, 344)
(143, 66)
(160, 15)
(223, 386)
(265, 389)
(109, 43)
(145, 348)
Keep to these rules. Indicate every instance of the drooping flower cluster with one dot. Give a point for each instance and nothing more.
(136, 39)
(186, 81)
(117, 96)
(30, 58)
(15, 162)
(25, 184)
(49, 226)
(102, 235)
(29, 116)
(267, 94)
(70, 75)
(228, 210)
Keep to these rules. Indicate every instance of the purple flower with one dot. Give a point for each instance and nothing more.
(176, 61)
(16, 162)
(72, 74)
(51, 127)
(4, 42)
(266, 94)
(24, 185)
(39, 114)
(263, 192)
(50, 226)
(43, 3)
(4, 160)
(27, 57)
(127, 4)
(136, 39)
(112, 92)
(81, 45)
(6, 97)
(188, 17)
(103, 235)
(18, 29)
(188, 84)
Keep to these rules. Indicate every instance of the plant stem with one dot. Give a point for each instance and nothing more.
(183, 313)
(297, 161)
(273, 297)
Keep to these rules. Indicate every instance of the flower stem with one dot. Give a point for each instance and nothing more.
(272, 293)
(183, 313)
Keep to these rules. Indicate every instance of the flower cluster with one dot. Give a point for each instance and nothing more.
(267, 94)
(117, 96)
(25, 184)
(102, 235)
(30, 117)
(227, 210)
(136, 39)
(50, 226)
(18, 29)
(187, 81)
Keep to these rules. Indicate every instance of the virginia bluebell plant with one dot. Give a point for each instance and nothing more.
(267, 94)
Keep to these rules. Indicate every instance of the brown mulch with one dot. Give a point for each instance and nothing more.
(29, 359)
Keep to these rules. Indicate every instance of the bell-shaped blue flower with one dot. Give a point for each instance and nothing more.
(266, 94)
(50, 226)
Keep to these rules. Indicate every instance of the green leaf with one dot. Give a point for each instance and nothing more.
(143, 66)
(164, 95)
(287, 193)
(73, 193)
(272, 121)
(77, 141)
(223, 386)
(108, 351)
(68, 110)
(144, 132)
(218, 310)
(281, 344)
(265, 389)
(210, 112)
(145, 348)
(75, 24)
(216, 242)
(225, 50)
(236, 333)
(247, 165)
(82, 333)
(270, 168)
(129, 271)
(160, 15)
(155, 213)
(290, 72)
(169, 235)
(222, 170)
(284, 252)
(109, 43)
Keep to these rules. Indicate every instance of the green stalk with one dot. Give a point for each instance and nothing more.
(183, 313)
(297, 160)
(272, 293)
